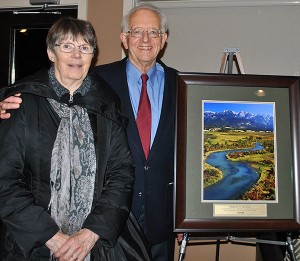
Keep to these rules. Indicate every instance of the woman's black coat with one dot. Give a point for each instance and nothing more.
(27, 140)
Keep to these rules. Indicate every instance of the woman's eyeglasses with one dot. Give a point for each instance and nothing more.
(69, 47)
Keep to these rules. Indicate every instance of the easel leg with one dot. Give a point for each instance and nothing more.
(239, 61)
(183, 245)
(218, 243)
(223, 62)
(290, 247)
(230, 62)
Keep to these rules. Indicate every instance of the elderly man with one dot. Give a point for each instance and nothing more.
(151, 128)
(144, 33)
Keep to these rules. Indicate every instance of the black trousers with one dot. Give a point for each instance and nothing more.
(163, 251)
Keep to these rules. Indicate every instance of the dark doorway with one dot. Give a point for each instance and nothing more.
(24, 52)
(23, 33)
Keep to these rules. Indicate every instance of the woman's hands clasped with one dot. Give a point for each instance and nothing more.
(74, 247)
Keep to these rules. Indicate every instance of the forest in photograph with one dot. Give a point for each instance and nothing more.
(238, 151)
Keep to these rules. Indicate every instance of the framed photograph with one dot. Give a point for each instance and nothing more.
(237, 153)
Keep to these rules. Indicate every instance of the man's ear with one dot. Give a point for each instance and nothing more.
(163, 40)
(123, 37)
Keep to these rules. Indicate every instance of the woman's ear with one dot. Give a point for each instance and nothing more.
(51, 55)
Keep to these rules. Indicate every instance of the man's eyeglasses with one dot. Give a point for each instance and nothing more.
(69, 47)
(139, 32)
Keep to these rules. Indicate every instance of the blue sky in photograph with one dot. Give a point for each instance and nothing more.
(255, 108)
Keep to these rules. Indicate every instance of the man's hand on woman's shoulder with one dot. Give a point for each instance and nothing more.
(10, 103)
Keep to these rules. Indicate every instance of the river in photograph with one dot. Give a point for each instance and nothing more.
(238, 177)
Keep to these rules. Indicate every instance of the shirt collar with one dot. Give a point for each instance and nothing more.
(135, 74)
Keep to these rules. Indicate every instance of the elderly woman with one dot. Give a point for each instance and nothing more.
(66, 172)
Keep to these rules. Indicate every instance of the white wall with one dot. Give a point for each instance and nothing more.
(268, 38)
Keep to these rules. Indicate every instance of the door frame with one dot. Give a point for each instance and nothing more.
(82, 5)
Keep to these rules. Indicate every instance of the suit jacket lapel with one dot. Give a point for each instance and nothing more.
(168, 106)
(127, 111)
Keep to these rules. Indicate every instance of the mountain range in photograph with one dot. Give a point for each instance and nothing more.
(242, 120)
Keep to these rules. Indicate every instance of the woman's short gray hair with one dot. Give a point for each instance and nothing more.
(125, 25)
(71, 28)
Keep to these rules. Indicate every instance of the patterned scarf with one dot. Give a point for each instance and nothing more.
(73, 168)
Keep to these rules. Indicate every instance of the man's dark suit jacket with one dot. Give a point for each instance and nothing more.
(154, 177)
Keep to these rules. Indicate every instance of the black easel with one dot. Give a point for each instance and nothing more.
(237, 240)
(230, 55)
